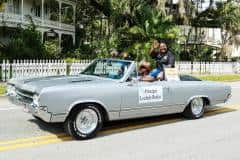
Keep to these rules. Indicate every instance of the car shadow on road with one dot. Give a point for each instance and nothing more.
(117, 127)
(53, 128)
(134, 124)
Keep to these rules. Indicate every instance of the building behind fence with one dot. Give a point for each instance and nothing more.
(40, 68)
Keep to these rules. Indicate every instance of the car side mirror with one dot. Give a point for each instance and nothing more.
(132, 79)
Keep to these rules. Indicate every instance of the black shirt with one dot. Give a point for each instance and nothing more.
(164, 59)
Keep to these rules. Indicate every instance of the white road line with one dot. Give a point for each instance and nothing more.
(10, 108)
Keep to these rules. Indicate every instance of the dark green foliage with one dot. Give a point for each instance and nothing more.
(124, 25)
(26, 44)
(22, 43)
(202, 53)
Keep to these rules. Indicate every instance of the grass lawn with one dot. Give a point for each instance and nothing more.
(223, 78)
(2, 89)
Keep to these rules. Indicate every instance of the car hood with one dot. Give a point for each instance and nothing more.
(35, 85)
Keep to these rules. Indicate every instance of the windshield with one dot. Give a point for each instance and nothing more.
(113, 69)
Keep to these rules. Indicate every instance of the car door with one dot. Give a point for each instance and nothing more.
(141, 99)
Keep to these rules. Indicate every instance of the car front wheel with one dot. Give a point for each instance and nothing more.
(85, 122)
(195, 109)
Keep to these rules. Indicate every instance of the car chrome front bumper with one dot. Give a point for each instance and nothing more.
(31, 108)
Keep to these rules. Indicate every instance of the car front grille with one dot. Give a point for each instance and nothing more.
(24, 96)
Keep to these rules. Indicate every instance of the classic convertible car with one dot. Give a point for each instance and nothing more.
(109, 90)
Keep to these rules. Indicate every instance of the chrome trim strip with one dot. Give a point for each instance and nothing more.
(150, 107)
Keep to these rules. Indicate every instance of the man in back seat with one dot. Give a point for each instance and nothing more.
(164, 59)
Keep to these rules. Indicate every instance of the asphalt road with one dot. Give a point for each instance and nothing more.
(214, 137)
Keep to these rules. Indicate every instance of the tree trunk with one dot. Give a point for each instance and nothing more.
(161, 6)
(182, 12)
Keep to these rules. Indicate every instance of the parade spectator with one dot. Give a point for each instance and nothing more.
(125, 55)
(114, 53)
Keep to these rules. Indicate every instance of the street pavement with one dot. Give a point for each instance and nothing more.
(214, 137)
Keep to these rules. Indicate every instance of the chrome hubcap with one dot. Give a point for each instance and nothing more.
(197, 106)
(86, 121)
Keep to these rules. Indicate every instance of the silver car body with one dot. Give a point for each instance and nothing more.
(52, 98)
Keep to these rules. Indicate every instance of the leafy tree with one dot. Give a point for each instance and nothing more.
(131, 25)
(52, 49)
(124, 24)
(225, 15)
(229, 21)
(156, 27)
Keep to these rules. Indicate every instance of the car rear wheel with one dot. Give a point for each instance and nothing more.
(195, 109)
(85, 122)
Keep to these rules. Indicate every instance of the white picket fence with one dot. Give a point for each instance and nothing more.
(34, 68)
(40, 68)
(78, 66)
(185, 67)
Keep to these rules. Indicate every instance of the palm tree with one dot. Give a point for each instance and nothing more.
(155, 27)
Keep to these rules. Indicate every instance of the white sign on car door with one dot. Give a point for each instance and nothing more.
(150, 94)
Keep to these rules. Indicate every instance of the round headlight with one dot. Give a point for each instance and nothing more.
(11, 91)
(36, 99)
